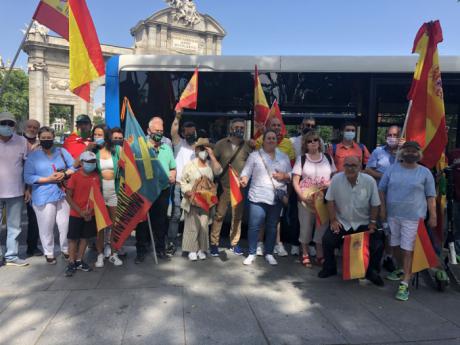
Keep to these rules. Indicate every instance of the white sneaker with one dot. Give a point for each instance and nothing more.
(201, 255)
(115, 260)
(295, 250)
(107, 251)
(260, 249)
(271, 259)
(279, 250)
(249, 260)
(100, 261)
(192, 256)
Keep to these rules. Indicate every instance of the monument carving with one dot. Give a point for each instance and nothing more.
(185, 11)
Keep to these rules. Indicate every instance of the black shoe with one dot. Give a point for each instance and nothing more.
(34, 252)
(171, 250)
(162, 255)
(388, 264)
(375, 278)
(326, 273)
(82, 266)
(139, 259)
(70, 270)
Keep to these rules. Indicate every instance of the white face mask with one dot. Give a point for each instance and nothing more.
(392, 141)
(203, 155)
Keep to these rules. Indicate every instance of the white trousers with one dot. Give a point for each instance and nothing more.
(49, 215)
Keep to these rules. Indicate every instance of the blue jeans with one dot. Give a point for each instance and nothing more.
(259, 214)
(175, 214)
(13, 208)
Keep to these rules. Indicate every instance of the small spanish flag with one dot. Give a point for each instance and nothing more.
(189, 97)
(261, 108)
(235, 192)
(205, 200)
(424, 254)
(322, 215)
(96, 201)
(355, 258)
(275, 112)
(128, 164)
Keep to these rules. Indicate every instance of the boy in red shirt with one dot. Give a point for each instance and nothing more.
(82, 223)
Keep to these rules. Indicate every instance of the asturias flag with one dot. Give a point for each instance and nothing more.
(55, 15)
(355, 255)
(86, 62)
(189, 97)
(261, 108)
(141, 179)
(424, 254)
(427, 122)
(235, 192)
(96, 201)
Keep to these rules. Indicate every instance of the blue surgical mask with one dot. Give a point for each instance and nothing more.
(89, 167)
(6, 131)
(100, 141)
(349, 135)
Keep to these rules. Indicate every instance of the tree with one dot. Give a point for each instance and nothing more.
(15, 98)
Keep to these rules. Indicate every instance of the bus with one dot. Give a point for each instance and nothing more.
(368, 90)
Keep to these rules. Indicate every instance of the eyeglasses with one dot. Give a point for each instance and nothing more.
(309, 126)
(7, 123)
(312, 141)
(350, 166)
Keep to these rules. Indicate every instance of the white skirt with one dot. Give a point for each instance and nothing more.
(109, 193)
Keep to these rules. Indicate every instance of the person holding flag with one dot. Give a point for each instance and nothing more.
(407, 189)
(232, 153)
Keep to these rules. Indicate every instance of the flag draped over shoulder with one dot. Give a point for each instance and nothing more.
(54, 14)
(189, 97)
(235, 192)
(141, 179)
(424, 254)
(427, 122)
(355, 255)
(86, 62)
(96, 201)
(275, 112)
(261, 108)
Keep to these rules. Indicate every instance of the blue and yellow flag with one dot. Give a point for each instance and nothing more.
(141, 179)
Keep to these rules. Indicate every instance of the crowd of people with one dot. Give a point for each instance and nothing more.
(386, 193)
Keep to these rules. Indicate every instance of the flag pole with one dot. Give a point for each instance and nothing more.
(155, 258)
(8, 74)
(406, 120)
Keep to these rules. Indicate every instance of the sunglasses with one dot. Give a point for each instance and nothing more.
(7, 123)
(309, 126)
(312, 141)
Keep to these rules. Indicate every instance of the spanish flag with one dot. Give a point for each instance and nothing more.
(96, 201)
(321, 212)
(128, 164)
(189, 97)
(204, 199)
(355, 257)
(261, 108)
(424, 255)
(55, 15)
(427, 122)
(85, 55)
(275, 112)
(235, 192)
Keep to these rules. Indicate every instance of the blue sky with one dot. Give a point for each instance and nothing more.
(272, 27)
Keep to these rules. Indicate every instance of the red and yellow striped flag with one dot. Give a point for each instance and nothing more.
(426, 123)
(96, 201)
(235, 192)
(204, 199)
(54, 14)
(322, 215)
(275, 112)
(355, 258)
(189, 97)
(131, 173)
(86, 62)
(424, 254)
(261, 108)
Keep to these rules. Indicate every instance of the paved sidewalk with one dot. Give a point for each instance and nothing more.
(218, 301)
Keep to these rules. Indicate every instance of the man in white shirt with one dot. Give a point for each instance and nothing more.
(353, 204)
(13, 149)
(307, 124)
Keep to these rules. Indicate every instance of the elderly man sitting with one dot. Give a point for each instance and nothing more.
(353, 204)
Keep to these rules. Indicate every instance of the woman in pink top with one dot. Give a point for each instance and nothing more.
(311, 176)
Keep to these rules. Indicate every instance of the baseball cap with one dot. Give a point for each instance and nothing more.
(87, 156)
(83, 118)
(7, 116)
(412, 144)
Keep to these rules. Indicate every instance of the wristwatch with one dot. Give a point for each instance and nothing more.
(373, 221)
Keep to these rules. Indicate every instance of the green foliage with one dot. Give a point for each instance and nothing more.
(15, 97)
(98, 120)
(61, 111)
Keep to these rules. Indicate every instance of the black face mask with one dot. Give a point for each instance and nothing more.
(118, 142)
(190, 139)
(156, 137)
(237, 134)
(410, 158)
(47, 144)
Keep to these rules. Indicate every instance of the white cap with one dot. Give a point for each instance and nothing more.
(7, 116)
(87, 156)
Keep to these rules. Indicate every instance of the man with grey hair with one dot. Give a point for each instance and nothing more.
(30, 132)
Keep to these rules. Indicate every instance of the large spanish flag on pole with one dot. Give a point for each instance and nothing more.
(55, 15)
(261, 108)
(189, 97)
(426, 121)
(96, 201)
(355, 255)
(235, 192)
(424, 254)
(85, 56)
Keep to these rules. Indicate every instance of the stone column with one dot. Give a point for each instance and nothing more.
(37, 69)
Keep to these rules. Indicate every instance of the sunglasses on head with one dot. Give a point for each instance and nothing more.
(8, 123)
(312, 141)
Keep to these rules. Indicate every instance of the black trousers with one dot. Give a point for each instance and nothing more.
(159, 219)
(332, 241)
(32, 229)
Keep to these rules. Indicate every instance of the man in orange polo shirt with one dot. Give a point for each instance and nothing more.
(348, 147)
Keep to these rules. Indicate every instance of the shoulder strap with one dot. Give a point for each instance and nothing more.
(361, 146)
(227, 165)
(303, 159)
(334, 148)
(266, 169)
(328, 157)
(63, 159)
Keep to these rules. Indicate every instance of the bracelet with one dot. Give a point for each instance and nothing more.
(373, 221)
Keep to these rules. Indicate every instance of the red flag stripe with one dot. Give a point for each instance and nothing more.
(50, 17)
(346, 258)
(426, 245)
(83, 91)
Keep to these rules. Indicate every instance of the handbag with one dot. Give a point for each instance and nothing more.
(280, 194)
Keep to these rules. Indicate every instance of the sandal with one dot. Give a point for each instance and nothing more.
(320, 261)
(50, 261)
(306, 261)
